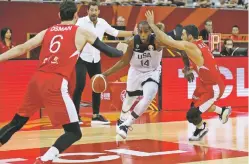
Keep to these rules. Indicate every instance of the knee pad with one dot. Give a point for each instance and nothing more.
(73, 128)
(194, 116)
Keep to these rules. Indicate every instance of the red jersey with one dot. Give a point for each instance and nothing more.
(4, 48)
(209, 72)
(59, 53)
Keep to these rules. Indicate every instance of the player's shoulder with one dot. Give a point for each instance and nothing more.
(82, 32)
(43, 33)
(189, 45)
(137, 39)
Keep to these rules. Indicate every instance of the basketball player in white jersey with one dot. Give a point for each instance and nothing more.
(144, 54)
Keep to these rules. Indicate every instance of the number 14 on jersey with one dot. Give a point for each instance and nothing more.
(145, 63)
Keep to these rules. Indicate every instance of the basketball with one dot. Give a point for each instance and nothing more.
(99, 83)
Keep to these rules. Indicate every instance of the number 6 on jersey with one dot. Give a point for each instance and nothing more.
(56, 44)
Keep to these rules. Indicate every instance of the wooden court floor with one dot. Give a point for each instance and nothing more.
(153, 140)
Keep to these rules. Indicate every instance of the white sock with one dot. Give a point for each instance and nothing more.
(218, 110)
(50, 154)
(124, 116)
(129, 121)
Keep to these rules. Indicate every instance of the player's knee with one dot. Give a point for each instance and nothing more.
(150, 89)
(154, 92)
(74, 129)
(78, 134)
(79, 88)
(150, 95)
(145, 102)
(194, 116)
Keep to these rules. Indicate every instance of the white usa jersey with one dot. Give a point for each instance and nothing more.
(145, 56)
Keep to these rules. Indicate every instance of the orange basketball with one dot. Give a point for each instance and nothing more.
(99, 83)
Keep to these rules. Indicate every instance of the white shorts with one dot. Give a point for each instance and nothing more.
(136, 79)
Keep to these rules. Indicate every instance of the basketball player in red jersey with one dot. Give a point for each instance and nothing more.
(209, 88)
(51, 85)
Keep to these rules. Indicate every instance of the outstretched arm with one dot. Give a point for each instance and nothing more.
(124, 61)
(84, 36)
(164, 38)
(117, 33)
(23, 48)
(191, 49)
(125, 33)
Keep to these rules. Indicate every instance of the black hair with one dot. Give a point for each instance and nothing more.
(91, 4)
(192, 30)
(179, 26)
(67, 10)
(225, 41)
(3, 33)
(236, 26)
(144, 23)
(208, 21)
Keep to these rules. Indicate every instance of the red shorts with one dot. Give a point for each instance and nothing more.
(53, 92)
(205, 95)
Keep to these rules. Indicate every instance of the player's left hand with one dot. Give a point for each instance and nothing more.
(150, 16)
(122, 47)
(135, 31)
(188, 74)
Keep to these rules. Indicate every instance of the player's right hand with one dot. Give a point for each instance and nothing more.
(122, 47)
(150, 17)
